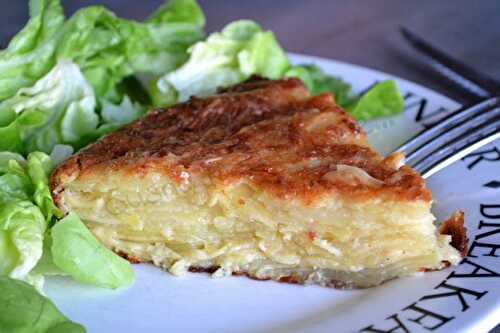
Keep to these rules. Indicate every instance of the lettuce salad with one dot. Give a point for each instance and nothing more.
(65, 82)
(243, 49)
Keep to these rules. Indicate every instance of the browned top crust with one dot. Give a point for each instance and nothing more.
(269, 133)
(454, 226)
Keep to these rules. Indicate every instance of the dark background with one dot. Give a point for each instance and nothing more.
(360, 32)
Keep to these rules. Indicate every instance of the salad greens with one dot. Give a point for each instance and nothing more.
(26, 208)
(108, 48)
(318, 82)
(59, 108)
(243, 49)
(225, 58)
(382, 100)
(57, 76)
(65, 82)
(27, 213)
(105, 47)
(114, 116)
(24, 310)
(30, 54)
(76, 252)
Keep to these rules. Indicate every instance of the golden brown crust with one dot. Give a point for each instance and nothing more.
(269, 133)
(454, 226)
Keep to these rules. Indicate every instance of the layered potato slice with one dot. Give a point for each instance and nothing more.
(262, 180)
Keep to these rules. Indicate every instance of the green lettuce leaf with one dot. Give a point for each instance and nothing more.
(382, 100)
(15, 184)
(55, 73)
(58, 108)
(225, 58)
(30, 54)
(242, 49)
(78, 253)
(319, 82)
(24, 310)
(9, 132)
(105, 47)
(39, 167)
(22, 179)
(46, 265)
(160, 44)
(6, 157)
(108, 48)
(22, 226)
(61, 109)
(26, 210)
(178, 11)
(115, 116)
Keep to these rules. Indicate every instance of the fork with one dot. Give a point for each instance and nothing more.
(462, 131)
(454, 137)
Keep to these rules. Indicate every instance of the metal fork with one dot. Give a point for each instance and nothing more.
(457, 135)
(463, 130)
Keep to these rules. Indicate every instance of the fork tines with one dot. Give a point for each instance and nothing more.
(458, 134)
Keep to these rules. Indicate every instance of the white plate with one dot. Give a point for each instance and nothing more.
(452, 300)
